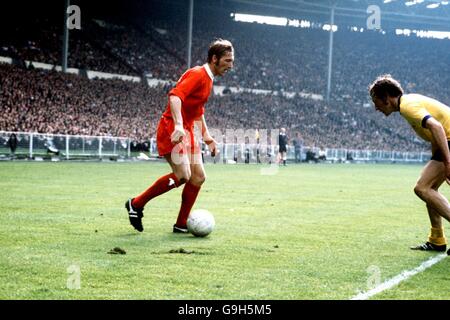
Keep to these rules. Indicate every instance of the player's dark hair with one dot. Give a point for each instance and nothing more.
(385, 86)
(218, 48)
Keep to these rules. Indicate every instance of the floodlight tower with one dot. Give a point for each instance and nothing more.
(65, 44)
(330, 50)
(189, 42)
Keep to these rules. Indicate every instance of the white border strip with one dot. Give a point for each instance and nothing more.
(397, 279)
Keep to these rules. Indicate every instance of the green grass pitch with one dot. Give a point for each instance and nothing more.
(307, 232)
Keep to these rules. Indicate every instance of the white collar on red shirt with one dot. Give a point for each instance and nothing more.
(208, 71)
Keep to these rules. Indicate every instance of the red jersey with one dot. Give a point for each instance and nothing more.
(193, 88)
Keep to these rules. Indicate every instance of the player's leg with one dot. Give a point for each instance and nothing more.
(427, 186)
(179, 175)
(435, 218)
(176, 156)
(438, 206)
(190, 191)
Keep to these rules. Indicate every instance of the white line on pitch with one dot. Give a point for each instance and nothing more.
(397, 279)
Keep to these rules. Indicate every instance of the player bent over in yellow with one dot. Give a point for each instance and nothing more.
(430, 119)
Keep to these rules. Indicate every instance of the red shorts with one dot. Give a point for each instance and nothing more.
(165, 146)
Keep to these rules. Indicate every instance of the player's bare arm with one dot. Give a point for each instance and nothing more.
(175, 107)
(209, 140)
(440, 142)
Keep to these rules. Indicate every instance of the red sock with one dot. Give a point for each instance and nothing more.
(188, 198)
(160, 186)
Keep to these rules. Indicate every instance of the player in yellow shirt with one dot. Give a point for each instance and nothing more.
(430, 119)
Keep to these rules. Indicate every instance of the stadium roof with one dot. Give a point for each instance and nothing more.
(393, 13)
(401, 12)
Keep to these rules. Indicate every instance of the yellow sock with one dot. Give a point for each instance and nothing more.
(437, 236)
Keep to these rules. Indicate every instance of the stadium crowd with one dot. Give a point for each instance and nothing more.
(272, 58)
(53, 102)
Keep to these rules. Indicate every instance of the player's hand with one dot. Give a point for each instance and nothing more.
(178, 134)
(212, 146)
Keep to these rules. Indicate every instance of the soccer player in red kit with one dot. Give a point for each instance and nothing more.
(176, 140)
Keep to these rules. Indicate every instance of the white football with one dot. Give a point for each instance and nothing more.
(200, 223)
